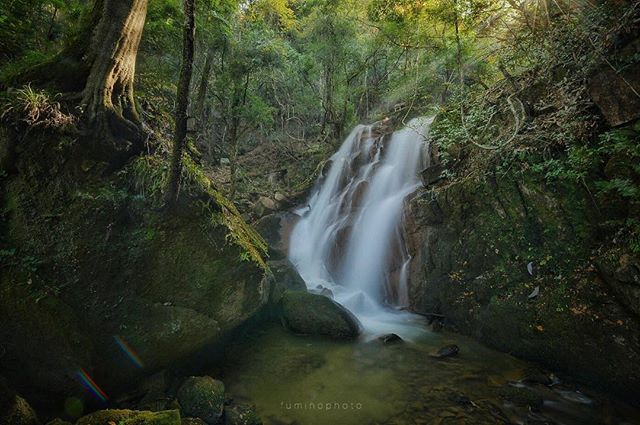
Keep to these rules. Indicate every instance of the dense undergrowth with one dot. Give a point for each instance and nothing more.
(541, 123)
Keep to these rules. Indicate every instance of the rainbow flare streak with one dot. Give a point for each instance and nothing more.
(91, 385)
(131, 354)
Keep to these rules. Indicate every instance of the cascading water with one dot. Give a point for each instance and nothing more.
(349, 238)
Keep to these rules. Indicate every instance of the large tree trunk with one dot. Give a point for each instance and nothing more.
(186, 70)
(109, 106)
(99, 64)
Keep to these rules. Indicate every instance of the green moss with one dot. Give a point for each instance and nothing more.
(131, 417)
(148, 177)
(202, 397)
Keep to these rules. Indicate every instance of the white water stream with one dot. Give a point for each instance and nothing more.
(349, 238)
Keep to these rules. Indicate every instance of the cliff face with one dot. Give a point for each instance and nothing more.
(473, 247)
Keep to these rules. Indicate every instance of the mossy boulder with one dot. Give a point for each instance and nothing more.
(202, 397)
(92, 259)
(18, 412)
(130, 417)
(241, 415)
(313, 314)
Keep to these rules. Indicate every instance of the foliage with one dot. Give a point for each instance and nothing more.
(37, 109)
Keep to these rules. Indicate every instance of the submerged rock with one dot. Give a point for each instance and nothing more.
(241, 415)
(313, 314)
(202, 397)
(131, 417)
(390, 339)
(537, 376)
(521, 396)
(447, 351)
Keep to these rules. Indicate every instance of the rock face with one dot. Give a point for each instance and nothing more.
(621, 271)
(202, 397)
(472, 244)
(312, 314)
(275, 229)
(612, 92)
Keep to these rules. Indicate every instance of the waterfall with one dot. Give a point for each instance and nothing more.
(349, 237)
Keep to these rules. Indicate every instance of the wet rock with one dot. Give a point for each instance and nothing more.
(447, 351)
(460, 399)
(18, 412)
(322, 290)
(575, 397)
(313, 314)
(241, 415)
(202, 397)
(521, 396)
(130, 417)
(537, 376)
(390, 339)
(432, 174)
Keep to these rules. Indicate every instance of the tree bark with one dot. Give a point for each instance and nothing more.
(182, 105)
(203, 87)
(99, 64)
(458, 45)
(107, 99)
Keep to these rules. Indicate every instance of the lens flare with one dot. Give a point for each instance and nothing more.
(91, 385)
(130, 353)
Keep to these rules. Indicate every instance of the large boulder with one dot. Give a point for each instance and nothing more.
(202, 397)
(313, 314)
(136, 287)
(130, 417)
